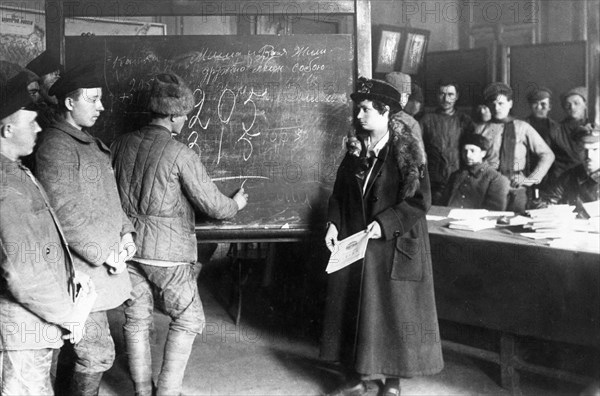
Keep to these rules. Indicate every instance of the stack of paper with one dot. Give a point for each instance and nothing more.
(553, 219)
(472, 224)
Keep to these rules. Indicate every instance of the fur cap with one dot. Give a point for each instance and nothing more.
(170, 95)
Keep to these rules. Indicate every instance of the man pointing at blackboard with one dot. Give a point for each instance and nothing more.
(162, 183)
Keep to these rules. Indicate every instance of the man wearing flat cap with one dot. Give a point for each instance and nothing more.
(539, 103)
(38, 302)
(580, 184)
(402, 82)
(514, 147)
(550, 130)
(476, 185)
(48, 68)
(74, 167)
(566, 147)
(381, 189)
(442, 131)
(163, 184)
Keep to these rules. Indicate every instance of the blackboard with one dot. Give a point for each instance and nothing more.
(271, 112)
(557, 66)
(469, 68)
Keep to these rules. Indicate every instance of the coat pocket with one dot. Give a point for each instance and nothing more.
(407, 264)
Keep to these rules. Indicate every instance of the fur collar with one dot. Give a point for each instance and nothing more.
(406, 150)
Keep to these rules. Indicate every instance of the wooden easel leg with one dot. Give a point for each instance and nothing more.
(238, 316)
(509, 376)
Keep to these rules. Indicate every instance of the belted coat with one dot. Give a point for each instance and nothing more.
(380, 314)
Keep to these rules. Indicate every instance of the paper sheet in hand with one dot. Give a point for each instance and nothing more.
(348, 251)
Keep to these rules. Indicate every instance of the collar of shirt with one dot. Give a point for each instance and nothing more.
(380, 144)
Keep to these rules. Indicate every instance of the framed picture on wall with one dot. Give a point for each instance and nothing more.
(398, 49)
(387, 48)
(413, 53)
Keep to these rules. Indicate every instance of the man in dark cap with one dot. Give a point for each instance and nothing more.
(415, 104)
(442, 131)
(558, 136)
(539, 103)
(476, 185)
(48, 68)
(512, 144)
(402, 82)
(38, 304)
(75, 169)
(162, 184)
(580, 184)
(383, 190)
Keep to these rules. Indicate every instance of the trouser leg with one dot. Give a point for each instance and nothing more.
(94, 355)
(177, 352)
(25, 372)
(136, 330)
(181, 301)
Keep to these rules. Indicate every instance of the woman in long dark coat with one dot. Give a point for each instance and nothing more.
(380, 317)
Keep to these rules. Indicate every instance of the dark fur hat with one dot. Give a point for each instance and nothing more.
(170, 95)
(476, 140)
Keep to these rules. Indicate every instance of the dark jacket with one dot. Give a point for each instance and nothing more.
(380, 313)
(441, 136)
(162, 182)
(552, 133)
(478, 187)
(36, 266)
(74, 168)
(574, 187)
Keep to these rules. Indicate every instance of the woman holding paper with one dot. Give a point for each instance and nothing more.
(380, 316)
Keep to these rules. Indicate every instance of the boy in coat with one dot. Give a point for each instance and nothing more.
(476, 185)
(74, 168)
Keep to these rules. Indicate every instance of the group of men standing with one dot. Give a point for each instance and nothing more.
(505, 163)
(91, 231)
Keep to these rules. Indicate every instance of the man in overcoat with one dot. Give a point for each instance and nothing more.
(74, 167)
(380, 317)
(38, 302)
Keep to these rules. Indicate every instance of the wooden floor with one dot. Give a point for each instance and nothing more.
(264, 356)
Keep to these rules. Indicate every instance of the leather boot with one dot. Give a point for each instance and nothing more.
(177, 352)
(85, 384)
(139, 359)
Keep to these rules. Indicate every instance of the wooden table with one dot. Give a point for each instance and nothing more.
(498, 280)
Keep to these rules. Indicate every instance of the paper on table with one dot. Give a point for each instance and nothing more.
(348, 251)
(465, 214)
(592, 208)
(435, 218)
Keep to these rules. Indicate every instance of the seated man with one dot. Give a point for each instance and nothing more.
(580, 184)
(476, 185)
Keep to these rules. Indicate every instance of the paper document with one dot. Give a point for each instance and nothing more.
(348, 251)
(592, 208)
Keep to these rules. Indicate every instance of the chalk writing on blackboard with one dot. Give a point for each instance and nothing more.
(269, 111)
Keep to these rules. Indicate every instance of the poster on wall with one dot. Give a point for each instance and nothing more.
(23, 32)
